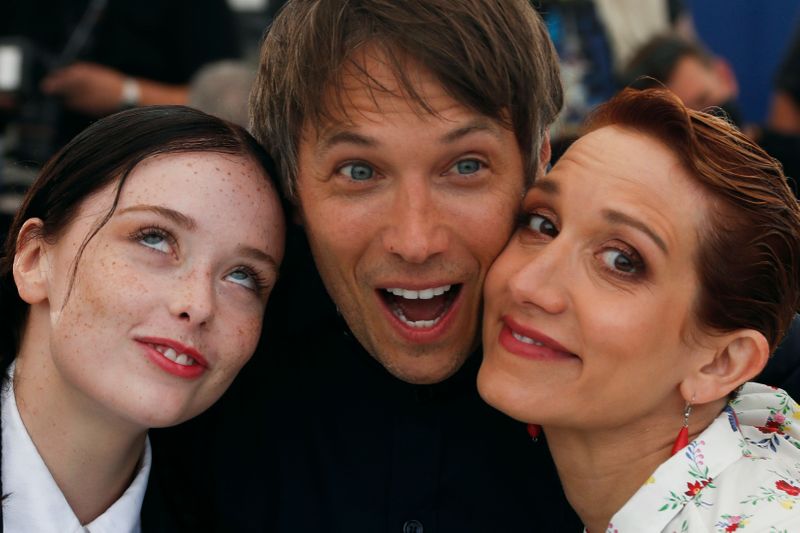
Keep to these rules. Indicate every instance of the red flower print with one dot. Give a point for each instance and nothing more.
(696, 487)
(788, 488)
(732, 527)
(772, 426)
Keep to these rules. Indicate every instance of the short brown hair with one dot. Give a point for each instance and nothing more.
(748, 259)
(492, 56)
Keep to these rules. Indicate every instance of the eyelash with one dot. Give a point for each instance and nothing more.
(524, 224)
(259, 281)
(141, 233)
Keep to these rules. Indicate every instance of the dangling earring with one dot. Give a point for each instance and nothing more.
(683, 435)
(534, 430)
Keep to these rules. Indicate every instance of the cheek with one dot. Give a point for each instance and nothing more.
(240, 338)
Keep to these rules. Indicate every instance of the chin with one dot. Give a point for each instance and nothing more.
(424, 369)
(507, 397)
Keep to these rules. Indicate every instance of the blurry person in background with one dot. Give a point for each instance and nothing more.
(699, 79)
(781, 135)
(85, 59)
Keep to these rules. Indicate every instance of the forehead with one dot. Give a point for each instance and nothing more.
(622, 169)
(369, 89)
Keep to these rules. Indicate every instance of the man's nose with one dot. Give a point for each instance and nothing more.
(543, 280)
(194, 297)
(416, 228)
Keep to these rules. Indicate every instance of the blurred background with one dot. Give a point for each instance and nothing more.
(64, 63)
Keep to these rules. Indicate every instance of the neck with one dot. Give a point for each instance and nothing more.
(602, 468)
(91, 454)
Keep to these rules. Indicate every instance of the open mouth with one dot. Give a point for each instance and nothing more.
(170, 353)
(420, 309)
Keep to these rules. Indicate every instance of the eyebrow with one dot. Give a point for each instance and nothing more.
(342, 136)
(190, 224)
(175, 216)
(616, 217)
(546, 185)
(259, 255)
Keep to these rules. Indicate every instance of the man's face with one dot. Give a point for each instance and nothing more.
(405, 210)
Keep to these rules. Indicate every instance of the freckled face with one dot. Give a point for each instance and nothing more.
(588, 314)
(405, 211)
(185, 262)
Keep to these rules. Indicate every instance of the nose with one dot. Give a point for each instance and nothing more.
(415, 228)
(194, 298)
(543, 280)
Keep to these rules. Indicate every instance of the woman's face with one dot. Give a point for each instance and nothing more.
(588, 310)
(169, 296)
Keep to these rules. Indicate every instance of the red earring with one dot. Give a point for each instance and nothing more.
(534, 431)
(683, 435)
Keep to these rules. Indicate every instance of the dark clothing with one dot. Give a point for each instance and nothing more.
(788, 75)
(319, 437)
(786, 147)
(783, 370)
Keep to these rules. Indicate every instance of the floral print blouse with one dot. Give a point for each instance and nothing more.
(741, 474)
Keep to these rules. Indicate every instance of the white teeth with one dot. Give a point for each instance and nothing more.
(424, 294)
(526, 340)
(418, 324)
(172, 355)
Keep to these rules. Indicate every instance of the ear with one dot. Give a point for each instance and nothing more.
(30, 263)
(736, 358)
(545, 153)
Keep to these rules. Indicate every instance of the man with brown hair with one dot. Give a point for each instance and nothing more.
(406, 132)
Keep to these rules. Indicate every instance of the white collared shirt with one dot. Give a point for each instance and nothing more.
(36, 504)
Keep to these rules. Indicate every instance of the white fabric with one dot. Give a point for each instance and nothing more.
(741, 474)
(631, 23)
(35, 504)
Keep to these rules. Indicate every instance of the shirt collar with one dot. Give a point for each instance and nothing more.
(35, 503)
(680, 480)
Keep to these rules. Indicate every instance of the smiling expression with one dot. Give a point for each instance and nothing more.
(588, 316)
(405, 210)
(168, 296)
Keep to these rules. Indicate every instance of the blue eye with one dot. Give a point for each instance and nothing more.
(357, 171)
(244, 278)
(467, 166)
(543, 225)
(622, 262)
(155, 240)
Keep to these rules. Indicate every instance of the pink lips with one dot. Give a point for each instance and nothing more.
(189, 372)
(542, 347)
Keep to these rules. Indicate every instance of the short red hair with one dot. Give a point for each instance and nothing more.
(749, 252)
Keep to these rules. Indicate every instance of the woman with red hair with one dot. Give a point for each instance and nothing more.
(655, 269)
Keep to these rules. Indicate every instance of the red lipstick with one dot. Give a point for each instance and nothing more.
(183, 371)
(529, 343)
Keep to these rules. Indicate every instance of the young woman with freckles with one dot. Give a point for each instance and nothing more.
(133, 286)
(654, 270)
